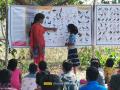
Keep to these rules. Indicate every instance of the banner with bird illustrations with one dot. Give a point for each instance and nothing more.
(21, 18)
(107, 26)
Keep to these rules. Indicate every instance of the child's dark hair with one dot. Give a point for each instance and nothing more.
(4, 77)
(92, 73)
(32, 68)
(95, 62)
(72, 29)
(38, 17)
(42, 65)
(12, 64)
(109, 62)
(67, 66)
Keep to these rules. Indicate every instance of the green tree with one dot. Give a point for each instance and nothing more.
(3, 8)
(3, 14)
(58, 2)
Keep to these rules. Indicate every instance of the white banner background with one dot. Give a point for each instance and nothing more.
(21, 17)
(107, 25)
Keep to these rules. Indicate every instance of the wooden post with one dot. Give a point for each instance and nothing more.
(93, 30)
(6, 39)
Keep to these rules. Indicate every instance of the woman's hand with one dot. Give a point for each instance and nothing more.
(50, 29)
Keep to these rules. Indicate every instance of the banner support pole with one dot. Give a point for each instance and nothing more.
(6, 33)
(93, 30)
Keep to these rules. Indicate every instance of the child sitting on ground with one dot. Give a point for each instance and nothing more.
(28, 82)
(15, 74)
(96, 63)
(118, 71)
(42, 73)
(108, 70)
(5, 80)
(67, 77)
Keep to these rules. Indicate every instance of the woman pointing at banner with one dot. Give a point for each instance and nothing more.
(37, 41)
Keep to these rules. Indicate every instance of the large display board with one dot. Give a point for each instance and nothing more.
(21, 17)
(107, 25)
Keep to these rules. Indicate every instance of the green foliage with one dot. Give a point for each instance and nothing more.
(58, 2)
(3, 8)
(101, 53)
(55, 56)
(85, 55)
(74, 2)
(42, 2)
(13, 52)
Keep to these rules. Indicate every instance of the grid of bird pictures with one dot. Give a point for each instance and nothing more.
(59, 17)
(108, 25)
(84, 25)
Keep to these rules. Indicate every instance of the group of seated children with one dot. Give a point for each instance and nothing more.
(39, 78)
(107, 77)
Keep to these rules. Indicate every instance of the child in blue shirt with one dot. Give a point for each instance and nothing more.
(92, 76)
(72, 50)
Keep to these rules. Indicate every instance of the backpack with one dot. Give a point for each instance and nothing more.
(51, 82)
